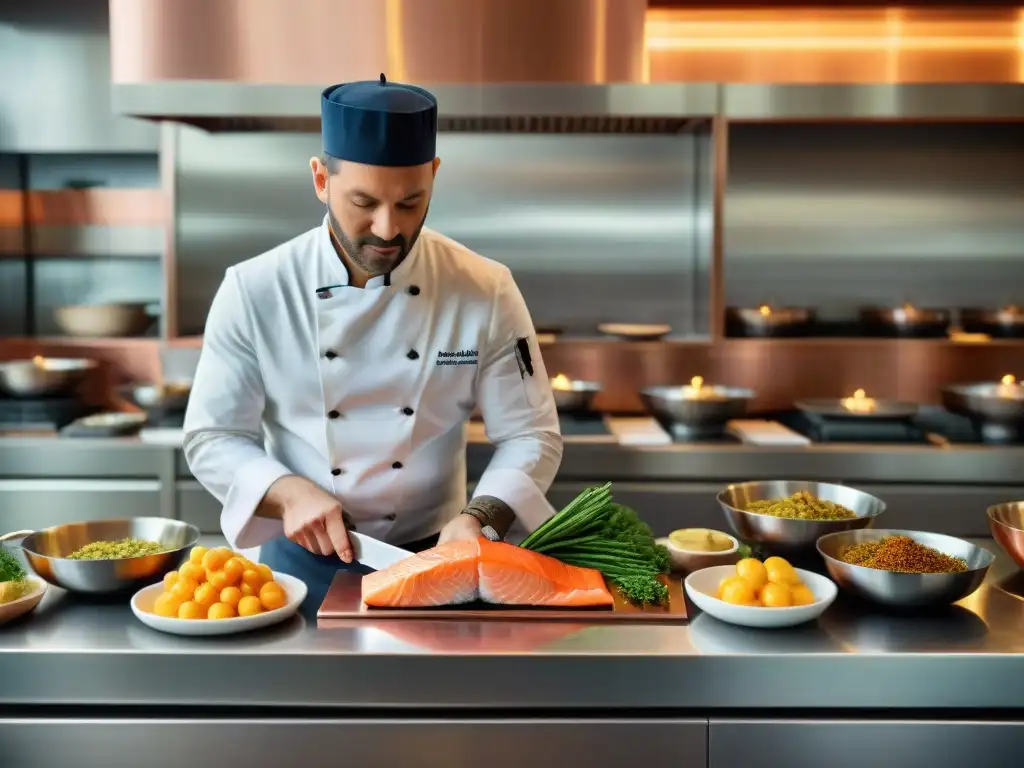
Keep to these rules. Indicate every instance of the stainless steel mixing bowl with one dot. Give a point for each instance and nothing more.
(46, 552)
(781, 534)
(43, 376)
(685, 413)
(575, 395)
(906, 590)
(1006, 522)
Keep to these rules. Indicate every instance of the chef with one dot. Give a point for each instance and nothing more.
(338, 369)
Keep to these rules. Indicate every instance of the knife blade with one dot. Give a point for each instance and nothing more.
(375, 553)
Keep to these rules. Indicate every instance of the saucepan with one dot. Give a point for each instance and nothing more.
(995, 408)
(46, 552)
(573, 395)
(767, 321)
(1007, 322)
(908, 320)
(164, 398)
(43, 375)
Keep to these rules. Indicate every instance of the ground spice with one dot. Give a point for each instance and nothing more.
(801, 506)
(116, 550)
(903, 555)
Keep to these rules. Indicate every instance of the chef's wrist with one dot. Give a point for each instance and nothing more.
(491, 512)
(275, 500)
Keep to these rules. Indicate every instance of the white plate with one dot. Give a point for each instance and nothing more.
(638, 332)
(142, 607)
(701, 586)
(12, 610)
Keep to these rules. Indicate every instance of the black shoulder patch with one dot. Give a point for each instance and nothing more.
(524, 357)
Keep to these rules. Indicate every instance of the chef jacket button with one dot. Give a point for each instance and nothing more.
(335, 471)
(414, 290)
(333, 415)
(330, 354)
(390, 517)
(413, 354)
(397, 465)
(407, 411)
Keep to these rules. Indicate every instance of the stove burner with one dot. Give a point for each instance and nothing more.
(1000, 434)
(824, 429)
(698, 433)
(584, 424)
(52, 413)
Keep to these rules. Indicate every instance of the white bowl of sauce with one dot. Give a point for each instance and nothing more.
(692, 549)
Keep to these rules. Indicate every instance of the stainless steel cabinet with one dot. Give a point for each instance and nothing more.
(856, 744)
(196, 505)
(37, 504)
(414, 743)
(956, 510)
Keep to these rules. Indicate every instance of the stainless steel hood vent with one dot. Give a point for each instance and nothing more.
(538, 66)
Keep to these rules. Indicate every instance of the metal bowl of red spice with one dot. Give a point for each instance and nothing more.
(910, 569)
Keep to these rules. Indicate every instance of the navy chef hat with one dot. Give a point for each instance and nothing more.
(379, 123)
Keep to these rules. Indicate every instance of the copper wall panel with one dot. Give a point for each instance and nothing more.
(84, 207)
(326, 41)
(782, 371)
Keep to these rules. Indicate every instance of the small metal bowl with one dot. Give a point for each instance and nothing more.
(788, 535)
(906, 590)
(45, 376)
(165, 397)
(696, 416)
(1006, 522)
(575, 396)
(763, 322)
(46, 552)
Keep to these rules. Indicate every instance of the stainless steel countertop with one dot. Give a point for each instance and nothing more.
(74, 652)
(29, 456)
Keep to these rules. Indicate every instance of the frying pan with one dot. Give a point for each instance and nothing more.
(834, 409)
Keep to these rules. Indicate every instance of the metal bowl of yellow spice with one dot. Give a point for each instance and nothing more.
(107, 556)
(789, 516)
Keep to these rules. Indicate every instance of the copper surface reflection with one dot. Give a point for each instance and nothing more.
(475, 636)
(838, 45)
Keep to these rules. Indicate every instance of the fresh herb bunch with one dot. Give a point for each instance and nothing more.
(10, 568)
(595, 532)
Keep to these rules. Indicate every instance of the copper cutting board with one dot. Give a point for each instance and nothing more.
(344, 603)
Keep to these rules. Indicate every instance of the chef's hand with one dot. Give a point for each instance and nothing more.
(462, 527)
(312, 517)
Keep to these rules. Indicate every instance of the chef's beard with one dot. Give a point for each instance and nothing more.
(369, 261)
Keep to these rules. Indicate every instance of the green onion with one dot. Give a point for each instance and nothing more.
(592, 531)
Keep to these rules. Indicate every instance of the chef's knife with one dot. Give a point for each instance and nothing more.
(375, 553)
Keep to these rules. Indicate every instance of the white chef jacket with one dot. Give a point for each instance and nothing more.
(366, 391)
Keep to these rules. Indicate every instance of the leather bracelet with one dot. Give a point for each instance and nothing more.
(491, 512)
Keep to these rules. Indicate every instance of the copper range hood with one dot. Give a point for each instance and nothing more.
(502, 65)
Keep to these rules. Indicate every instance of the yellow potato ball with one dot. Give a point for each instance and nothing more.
(249, 606)
(231, 596)
(752, 571)
(191, 610)
(776, 596)
(222, 611)
(167, 605)
(272, 596)
(801, 595)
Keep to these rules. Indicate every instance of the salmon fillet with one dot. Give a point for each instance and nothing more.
(463, 571)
